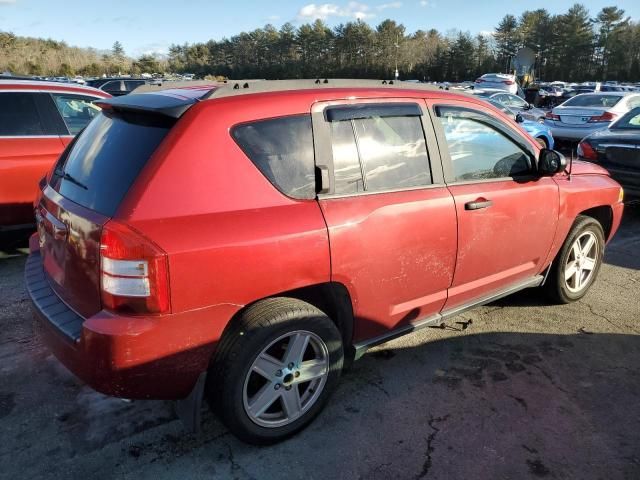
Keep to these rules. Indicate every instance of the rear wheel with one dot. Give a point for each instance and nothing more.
(275, 369)
(577, 264)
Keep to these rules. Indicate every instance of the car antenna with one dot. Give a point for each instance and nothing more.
(570, 165)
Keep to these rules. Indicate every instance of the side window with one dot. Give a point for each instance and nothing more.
(377, 149)
(514, 101)
(112, 86)
(19, 115)
(131, 85)
(477, 147)
(76, 111)
(282, 149)
(346, 164)
(633, 102)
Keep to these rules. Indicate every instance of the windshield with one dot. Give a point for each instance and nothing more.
(630, 121)
(595, 100)
(107, 157)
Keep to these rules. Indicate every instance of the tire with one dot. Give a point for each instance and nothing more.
(542, 141)
(262, 340)
(562, 288)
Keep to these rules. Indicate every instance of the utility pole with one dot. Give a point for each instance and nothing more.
(397, 74)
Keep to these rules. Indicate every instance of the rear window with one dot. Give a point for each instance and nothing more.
(106, 158)
(598, 101)
(282, 149)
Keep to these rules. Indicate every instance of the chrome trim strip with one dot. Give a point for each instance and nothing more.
(11, 137)
(361, 347)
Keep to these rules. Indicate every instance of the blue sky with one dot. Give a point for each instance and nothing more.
(147, 26)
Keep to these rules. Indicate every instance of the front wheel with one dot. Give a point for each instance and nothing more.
(577, 264)
(275, 369)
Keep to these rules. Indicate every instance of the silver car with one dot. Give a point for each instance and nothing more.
(589, 112)
(514, 102)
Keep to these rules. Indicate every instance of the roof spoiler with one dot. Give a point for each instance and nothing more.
(166, 103)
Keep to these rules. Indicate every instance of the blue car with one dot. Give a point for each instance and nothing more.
(537, 130)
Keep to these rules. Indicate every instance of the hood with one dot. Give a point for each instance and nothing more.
(580, 167)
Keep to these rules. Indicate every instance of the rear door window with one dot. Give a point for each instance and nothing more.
(19, 115)
(76, 110)
(378, 148)
(282, 149)
(106, 158)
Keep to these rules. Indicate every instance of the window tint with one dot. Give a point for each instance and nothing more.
(346, 165)
(77, 111)
(592, 100)
(282, 149)
(477, 148)
(19, 115)
(130, 85)
(107, 157)
(393, 152)
(112, 86)
(513, 101)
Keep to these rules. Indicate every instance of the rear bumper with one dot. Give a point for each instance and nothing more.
(129, 357)
(572, 133)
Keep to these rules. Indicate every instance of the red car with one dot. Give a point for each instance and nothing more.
(37, 120)
(246, 242)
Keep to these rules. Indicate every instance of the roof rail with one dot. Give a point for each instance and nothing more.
(239, 87)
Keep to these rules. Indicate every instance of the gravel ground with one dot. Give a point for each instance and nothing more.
(527, 390)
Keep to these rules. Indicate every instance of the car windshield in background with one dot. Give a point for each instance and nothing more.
(501, 107)
(107, 157)
(598, 101)
(630, 121)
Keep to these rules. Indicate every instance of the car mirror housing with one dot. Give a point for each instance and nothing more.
(519, 118)
(551, 162)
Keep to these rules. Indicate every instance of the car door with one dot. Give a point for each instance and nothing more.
(390, 218)
(29, 144)
(507, 214)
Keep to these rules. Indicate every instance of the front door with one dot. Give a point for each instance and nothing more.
(391, 219)
(507, 214)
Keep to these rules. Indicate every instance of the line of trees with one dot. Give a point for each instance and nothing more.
(572, 46)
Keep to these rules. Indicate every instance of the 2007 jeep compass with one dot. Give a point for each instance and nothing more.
(245, 241)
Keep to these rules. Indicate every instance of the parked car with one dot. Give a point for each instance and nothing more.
(617, 149)
(586, 113)
(117, 86)
(499, 81)
(514, 102)
(37, 120)
(537, 130)
(250, 240)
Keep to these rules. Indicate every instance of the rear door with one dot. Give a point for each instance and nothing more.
(507, 215)
(29, 145)
(391, 219)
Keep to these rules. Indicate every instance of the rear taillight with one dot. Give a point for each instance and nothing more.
(133, 272)
(551, 116)
(605, 117)
(508, 82)
(586, 151)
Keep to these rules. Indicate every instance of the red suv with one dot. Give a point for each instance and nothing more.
(246, 242)
(37, 120)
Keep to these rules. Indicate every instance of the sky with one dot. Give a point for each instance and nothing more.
(150, 26)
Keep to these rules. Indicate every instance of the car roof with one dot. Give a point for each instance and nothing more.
(174, 102)
(40, 85)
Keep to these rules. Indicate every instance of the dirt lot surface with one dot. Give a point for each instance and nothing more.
(528, 390)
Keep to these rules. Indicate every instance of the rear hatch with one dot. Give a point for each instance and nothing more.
(577, 116)
(85, 190)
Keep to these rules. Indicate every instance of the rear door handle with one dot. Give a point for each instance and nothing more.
(478, 204)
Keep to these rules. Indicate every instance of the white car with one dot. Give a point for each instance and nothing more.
(498, 81)
(588, 112)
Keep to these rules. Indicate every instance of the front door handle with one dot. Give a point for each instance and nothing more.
(478, 204)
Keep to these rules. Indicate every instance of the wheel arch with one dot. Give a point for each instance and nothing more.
(603, 214)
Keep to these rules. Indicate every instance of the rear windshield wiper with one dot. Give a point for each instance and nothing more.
(67, 176)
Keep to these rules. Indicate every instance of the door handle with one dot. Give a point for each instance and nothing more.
(478, 204)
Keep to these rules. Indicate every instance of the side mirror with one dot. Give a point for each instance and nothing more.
(551, 162)
(528, 106)
(519, 118)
